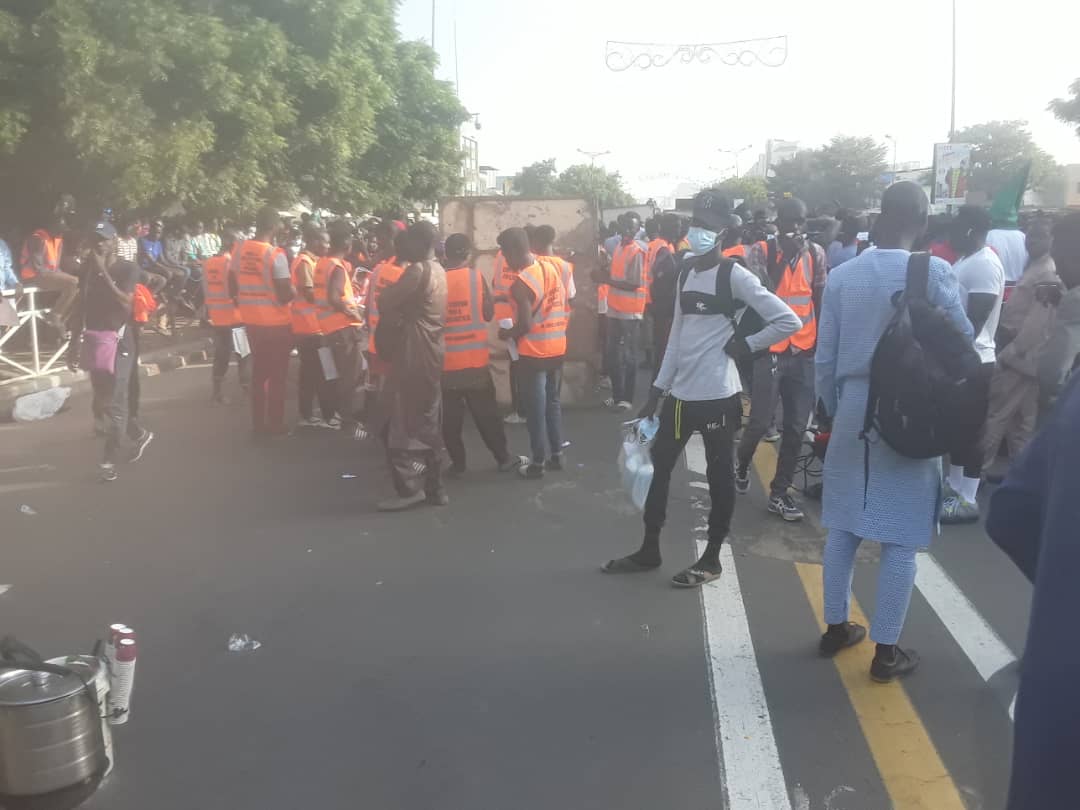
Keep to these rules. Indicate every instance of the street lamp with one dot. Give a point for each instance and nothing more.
(736, 153)
(893, 141)
(592, 156)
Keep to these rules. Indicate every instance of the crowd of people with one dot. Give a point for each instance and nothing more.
(391, 327)
(791, 310)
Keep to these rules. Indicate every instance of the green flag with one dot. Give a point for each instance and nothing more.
(1005, 208)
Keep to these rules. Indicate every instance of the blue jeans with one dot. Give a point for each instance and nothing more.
(543, 411)
(622, 340)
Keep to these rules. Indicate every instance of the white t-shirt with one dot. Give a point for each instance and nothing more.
(1011, 248)
(982, 272)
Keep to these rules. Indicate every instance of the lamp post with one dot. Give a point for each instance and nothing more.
(893, 141)
(592, 156)
(736, 153)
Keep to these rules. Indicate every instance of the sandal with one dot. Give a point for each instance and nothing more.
(694, 577)
(627, 565)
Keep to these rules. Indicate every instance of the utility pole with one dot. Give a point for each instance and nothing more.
(433, 32)
(592, 156)
(736, 153)
(891, 138)
(952, 114)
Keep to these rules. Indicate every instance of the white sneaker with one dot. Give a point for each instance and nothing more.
(333, 423)
(609, 403)
(312, 423)
(623, 405)
(514, 419)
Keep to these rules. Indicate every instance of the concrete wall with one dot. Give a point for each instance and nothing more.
(482, 219)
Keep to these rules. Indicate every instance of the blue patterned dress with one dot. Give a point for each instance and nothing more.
(903, 494)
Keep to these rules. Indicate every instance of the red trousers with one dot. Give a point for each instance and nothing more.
(270, 347)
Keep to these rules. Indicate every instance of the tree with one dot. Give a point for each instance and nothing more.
(219, 105)
(846, 172)
(602, 188)
(596, 184)
(1067, 110)
(537, 179)
(1001, 148)
(751, 190)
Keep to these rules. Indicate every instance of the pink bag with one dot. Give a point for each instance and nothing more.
(99, 350)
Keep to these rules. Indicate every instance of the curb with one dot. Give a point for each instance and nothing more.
(157, 362)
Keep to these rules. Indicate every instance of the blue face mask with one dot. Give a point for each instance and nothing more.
(701, 241)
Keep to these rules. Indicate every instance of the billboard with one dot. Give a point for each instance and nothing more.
(952, 171)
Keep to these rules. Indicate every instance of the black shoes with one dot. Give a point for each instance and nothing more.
(839, 637)
(891, 663)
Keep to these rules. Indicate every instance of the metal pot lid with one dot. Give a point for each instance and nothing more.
(23, 687)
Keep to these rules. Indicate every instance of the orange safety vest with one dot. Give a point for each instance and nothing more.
(331, 319)
(735, 252)
(796, 289)
(221, 310)
(254, 266)
(651, 253)
(502, 278)
(564, 268)
(385, 273)
(305, 315)
(466, 332)
(142, 304)
(626, 302)
(547, 337)
(54, 246)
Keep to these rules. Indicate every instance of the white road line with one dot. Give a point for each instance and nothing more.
(979, 641)
(746, 748)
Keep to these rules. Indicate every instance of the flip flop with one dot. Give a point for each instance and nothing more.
(694, 578)
(625, 565)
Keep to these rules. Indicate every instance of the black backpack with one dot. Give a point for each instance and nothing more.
(725, 303)
(920, 402)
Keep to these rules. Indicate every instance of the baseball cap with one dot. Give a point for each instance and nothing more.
(713, 210)
(104, 230)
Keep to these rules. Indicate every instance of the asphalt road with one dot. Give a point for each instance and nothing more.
(472, 657)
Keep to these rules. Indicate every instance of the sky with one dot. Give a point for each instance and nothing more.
(535, 74)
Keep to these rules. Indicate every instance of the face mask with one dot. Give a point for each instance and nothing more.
(701, 241)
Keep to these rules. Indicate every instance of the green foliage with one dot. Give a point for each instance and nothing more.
(596, 184)
(752, 190)
(602, 188)
(537, 180)
(220, 105)
(1067, 110)
(1001, 150)
(845, 172)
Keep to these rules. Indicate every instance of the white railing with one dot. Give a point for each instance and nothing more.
(29, 314)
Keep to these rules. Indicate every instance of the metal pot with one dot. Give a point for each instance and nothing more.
(50, 724)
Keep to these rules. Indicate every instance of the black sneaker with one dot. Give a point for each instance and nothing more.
(532, 471)
(555, 463)
(785, 507)
(887, 669)
(742, 480)
(840, 638)
(141, 444)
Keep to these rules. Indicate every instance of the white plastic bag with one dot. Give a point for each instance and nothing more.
(635, 462)
(40, 405)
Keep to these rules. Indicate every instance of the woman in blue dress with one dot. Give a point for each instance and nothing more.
(902, 495)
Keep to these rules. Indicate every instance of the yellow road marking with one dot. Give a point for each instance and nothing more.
(910, 766)
(907, 760)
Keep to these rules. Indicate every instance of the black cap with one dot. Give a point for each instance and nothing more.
(713, 210)
(105, 230)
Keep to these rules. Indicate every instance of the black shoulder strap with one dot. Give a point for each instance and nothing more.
(724, 294)
(917, 284)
